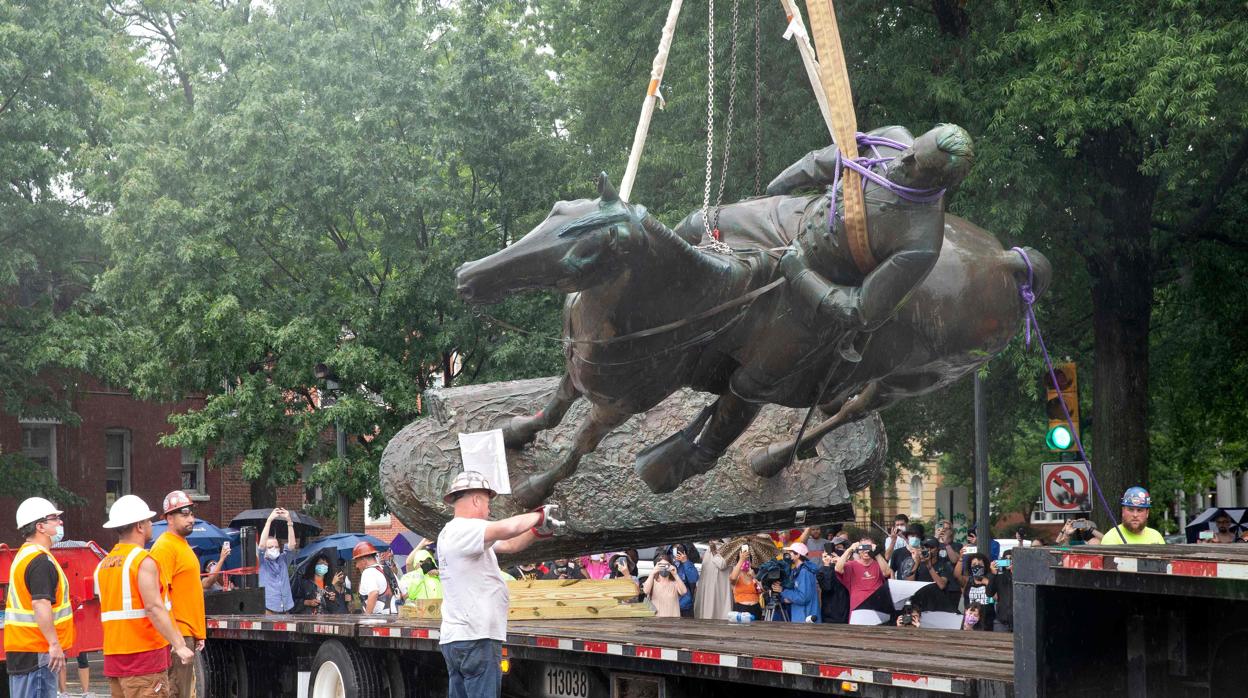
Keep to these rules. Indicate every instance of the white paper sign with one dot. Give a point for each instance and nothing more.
(483, 452)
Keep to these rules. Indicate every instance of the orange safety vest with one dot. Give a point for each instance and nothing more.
(127, 629)
(21, 631)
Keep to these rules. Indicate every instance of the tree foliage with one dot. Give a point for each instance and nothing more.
(275, 185)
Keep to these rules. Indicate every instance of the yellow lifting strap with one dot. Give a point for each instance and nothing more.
(834, 79)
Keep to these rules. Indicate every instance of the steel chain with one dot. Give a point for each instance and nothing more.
(710, 118)
(758, 105)
(732, 110)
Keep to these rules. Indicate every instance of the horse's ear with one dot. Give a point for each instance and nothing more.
(606, 191)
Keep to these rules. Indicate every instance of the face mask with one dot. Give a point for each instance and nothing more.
(977, 572)
(596, 558)
(59, 535)
(322, 570)
(971, 620)
(914, 541)
(271, 553)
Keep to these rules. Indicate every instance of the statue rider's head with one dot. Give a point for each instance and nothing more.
(938, 159)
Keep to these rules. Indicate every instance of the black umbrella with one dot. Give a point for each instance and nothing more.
(305, 526)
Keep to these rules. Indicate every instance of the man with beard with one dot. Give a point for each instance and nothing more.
(1134, 529)
(1225, 532)
(186, 593)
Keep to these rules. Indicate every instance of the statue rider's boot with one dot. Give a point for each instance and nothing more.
(768, 461)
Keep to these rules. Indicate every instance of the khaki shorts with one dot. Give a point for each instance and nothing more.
(182, 676)
(145, 686)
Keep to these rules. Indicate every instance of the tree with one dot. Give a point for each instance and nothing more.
(54, 62)
(296, 191)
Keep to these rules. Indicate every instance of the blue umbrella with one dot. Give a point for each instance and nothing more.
(339, 545)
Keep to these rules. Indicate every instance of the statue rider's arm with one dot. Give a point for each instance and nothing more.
(817, 169)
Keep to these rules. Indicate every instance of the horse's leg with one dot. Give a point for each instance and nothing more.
(679, 457)
(523, 429)
(538, 487)
(770, 460)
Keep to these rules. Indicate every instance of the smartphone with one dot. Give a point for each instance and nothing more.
(745, 548)
(1082, 525)
(1003, 563)
(1206, 535)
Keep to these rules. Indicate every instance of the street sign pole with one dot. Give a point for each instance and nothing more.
(982, 530)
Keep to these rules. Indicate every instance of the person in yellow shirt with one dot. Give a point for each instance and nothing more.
(186, 593)
(1134, 529)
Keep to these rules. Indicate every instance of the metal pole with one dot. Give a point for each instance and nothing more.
(344, 505)
(983, 531)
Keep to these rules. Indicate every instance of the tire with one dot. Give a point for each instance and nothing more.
(399, 679)
(340, 669)
(224, 670)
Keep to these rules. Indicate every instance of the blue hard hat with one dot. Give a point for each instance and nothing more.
(1137, 497)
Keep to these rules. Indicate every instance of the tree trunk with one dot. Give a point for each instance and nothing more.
(1120, 264)
(263, 493)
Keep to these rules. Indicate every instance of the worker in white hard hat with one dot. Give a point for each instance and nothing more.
(138, 630)
(475, 599)
(38, 615)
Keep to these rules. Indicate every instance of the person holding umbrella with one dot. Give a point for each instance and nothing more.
(186, 593)
(274, 563)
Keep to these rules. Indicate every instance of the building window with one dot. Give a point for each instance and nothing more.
(311, 494)
(369, 519)
(916, 496)
(116, 465)
(39, 444)
(193, 473)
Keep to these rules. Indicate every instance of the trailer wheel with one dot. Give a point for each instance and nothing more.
(225, 671)
(343, 671)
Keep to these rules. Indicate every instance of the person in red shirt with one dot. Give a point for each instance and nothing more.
(862, 569)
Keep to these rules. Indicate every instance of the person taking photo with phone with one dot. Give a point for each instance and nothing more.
(665, 588)
(745, 587)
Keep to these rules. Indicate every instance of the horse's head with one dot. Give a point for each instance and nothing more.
(580, 244)
(938, 159)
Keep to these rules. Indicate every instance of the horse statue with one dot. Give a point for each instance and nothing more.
(648, 313)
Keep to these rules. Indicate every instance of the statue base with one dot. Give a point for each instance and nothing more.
(606, 505)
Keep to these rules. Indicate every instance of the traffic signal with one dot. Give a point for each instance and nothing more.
(1059, 436)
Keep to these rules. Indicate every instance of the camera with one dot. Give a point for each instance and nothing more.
(862, 548)
(907, 614)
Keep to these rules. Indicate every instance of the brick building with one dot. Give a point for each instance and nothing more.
(114, 451)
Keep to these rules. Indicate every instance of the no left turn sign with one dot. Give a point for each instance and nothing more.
(1065, 487)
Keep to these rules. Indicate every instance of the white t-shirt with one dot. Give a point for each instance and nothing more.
(474, 593)
(373, 579)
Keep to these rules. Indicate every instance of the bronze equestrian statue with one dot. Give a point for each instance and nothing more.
(648, 312)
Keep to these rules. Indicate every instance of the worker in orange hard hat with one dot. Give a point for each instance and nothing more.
(186, 593)
(38, 615)
(378, 592)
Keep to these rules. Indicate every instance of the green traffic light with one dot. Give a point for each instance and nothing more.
(1059, 437)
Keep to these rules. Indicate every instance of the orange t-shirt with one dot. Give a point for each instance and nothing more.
(186, 593)
(743, 590)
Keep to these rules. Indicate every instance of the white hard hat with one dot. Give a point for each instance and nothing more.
(466, 481)
(127, 510)
(35, 509)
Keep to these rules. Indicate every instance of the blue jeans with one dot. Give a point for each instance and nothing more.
(40, 683)
(473, 666)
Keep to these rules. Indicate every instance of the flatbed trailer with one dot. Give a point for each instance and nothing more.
(249, 656)
(1142, 620)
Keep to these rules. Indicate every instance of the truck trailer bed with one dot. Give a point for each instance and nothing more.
(838, 659)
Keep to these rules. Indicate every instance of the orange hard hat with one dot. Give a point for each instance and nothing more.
(362, 549)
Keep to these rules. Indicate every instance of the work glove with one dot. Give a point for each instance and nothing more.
(548, 525)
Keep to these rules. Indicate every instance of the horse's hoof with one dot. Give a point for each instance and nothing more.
(670, 462)
(519, 432)
(533, 492)
(768, 461)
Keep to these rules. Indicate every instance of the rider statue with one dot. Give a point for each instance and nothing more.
(906, 236)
